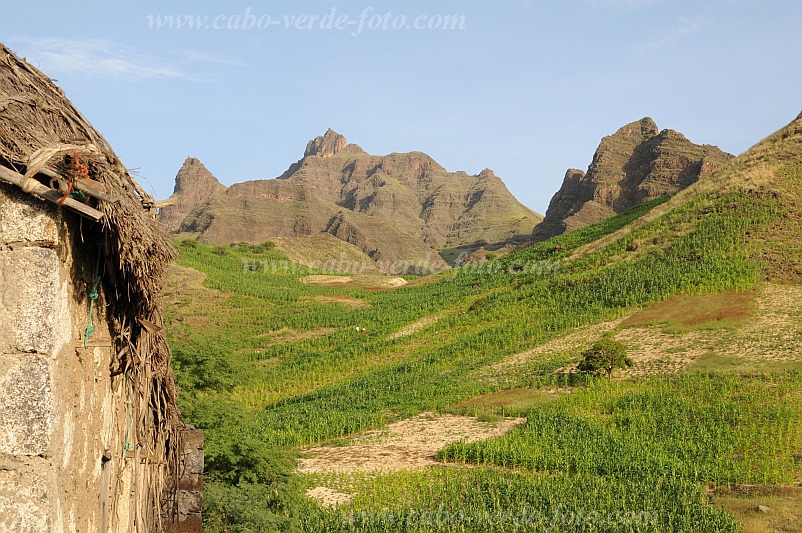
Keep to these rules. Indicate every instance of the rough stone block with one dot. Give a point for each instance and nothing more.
(25, 218)
(193, 451)
(29, 299)
(190, 503)
(191, 483)
(24, 502)
(26, 405)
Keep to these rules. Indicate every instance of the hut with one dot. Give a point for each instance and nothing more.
(90, 435)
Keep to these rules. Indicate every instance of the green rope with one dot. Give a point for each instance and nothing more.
(128, 445)
(93, 295)
(78, 195)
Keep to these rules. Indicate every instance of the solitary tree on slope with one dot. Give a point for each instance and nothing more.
(605, 355)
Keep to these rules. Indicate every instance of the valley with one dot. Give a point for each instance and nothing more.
(702, 289)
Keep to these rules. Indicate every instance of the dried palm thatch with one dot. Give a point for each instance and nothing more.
(38, 128)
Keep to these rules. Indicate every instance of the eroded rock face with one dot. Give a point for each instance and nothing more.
(194, 185)
(326, 145)
(636, 164)
(402, 206)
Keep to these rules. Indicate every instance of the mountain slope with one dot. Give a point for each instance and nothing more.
(399, 207)
(637, 163)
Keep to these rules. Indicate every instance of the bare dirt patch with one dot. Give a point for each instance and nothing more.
(378, 283)
(364, 282)
(775, 333)
(657, 352)
(320, 279)
(409, 444)
(759, 329)
(766, 510)
(329, 497)
(348, 301)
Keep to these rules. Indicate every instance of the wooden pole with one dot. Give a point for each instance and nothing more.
(8, 175)
(83, 187)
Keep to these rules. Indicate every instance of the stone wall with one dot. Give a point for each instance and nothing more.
(67, 463)
(190, 484)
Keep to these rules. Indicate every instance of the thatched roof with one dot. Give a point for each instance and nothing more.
(40, 130)
(36, 119)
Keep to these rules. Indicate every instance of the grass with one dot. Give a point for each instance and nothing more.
(684, 313)
(783, 513)
(511, 402)
(448, 499)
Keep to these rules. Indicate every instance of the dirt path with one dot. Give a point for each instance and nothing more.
(415, 326)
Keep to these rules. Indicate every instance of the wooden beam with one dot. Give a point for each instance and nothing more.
(84, 187)
(6, 174)
(164, 203)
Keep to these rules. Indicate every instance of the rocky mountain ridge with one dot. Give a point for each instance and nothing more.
(398, 207)
(637, 163)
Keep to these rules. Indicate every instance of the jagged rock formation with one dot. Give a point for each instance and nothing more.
(194, 184)
(637, 163)
(326, 145)
(399, 207)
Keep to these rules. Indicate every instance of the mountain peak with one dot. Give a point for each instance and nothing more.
(194, 184)
(635, 164)
(193, 175)
(326, 145)
(644, 128)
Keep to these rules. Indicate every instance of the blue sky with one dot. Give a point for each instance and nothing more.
(526, 87)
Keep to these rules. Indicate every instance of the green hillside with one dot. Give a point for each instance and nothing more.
(270, 363)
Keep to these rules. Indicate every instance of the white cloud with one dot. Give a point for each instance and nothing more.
(204, 57)
(97, 58)
(683, 27)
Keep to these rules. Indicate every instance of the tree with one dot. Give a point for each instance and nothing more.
(605, 355)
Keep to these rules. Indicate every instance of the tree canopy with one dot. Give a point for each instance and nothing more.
(605, 355)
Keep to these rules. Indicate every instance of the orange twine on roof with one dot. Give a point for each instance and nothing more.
(77, 171)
